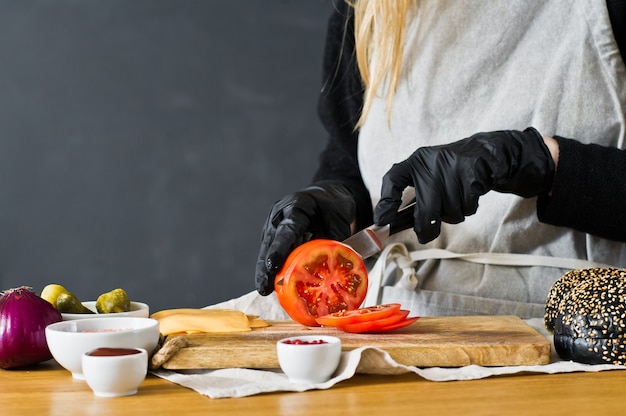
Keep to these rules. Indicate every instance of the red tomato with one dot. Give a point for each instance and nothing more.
(369, 313)
(321, 277)
(376, 324)
(397, 325)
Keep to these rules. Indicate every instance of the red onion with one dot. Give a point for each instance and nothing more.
(23, 320)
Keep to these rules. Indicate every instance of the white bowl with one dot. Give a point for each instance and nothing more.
(69, 340)
(137, 309)
(309, 362)
(115, 372)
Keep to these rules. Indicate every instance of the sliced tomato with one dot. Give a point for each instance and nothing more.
(321, 277)
(376, 324)
(397, 325)
(369, 313)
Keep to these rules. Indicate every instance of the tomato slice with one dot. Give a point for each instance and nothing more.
(369, 313)
(376, 324)
(321, 277)
(397, 325)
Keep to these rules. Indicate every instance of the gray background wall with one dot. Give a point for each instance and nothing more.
(143, 142)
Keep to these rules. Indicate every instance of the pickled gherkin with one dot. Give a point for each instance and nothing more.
(114, 301)
(63, 300)
(67, 302)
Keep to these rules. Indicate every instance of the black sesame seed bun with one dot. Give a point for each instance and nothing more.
(591, 318)
(564, 285)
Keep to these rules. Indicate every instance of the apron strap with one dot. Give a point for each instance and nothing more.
(406, 260)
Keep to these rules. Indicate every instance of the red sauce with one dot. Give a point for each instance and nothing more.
(303, 342)
(112, 352)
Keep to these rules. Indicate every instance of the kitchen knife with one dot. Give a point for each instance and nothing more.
(369, 241)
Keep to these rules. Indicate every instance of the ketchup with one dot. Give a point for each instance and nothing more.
(113, 352)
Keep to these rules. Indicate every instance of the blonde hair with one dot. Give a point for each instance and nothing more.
(379, 28)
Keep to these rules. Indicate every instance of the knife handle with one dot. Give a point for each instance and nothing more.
(404, 219)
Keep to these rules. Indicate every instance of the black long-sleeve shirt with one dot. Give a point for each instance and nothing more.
(589, 190)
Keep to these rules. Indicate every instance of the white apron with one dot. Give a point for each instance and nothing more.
(472, 66)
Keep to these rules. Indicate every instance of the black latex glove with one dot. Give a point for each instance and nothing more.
(323, 210)
(449, 179)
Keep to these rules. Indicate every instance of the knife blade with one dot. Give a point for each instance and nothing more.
(370, 240)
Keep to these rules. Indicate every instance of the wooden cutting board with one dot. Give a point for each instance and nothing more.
(429, 342)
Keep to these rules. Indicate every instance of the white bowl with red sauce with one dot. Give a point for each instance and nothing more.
(69, 340)
(115, 372)
(309, 358)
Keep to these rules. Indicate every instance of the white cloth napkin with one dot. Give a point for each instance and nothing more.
(239, 382)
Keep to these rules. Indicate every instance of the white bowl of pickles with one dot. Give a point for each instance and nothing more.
(113, 304)
(137, 309)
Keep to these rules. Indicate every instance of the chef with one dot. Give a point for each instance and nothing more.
(471, 107)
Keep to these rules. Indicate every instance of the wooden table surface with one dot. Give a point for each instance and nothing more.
(50, 390)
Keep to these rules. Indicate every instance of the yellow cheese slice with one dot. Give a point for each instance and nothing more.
(190, 321)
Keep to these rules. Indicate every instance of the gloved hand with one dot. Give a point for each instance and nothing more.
(323, 210)
(449, 179)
